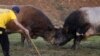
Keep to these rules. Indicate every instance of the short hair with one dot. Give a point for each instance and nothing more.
(16, 9)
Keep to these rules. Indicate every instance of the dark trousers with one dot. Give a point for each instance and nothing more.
(4, 41)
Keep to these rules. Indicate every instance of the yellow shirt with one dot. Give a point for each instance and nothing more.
(5, 16)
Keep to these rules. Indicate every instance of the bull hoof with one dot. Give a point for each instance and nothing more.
(75, 47)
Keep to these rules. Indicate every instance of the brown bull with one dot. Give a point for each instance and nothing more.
(34, 20)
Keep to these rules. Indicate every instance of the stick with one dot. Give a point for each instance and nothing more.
(33, 44)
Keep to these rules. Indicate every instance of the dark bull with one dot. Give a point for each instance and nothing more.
(79, 25)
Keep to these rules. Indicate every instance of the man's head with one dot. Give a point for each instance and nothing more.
(16, 9)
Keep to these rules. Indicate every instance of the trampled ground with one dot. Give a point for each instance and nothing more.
(91, 47)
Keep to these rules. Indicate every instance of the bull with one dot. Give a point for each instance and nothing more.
(79, 25)
(35, 21)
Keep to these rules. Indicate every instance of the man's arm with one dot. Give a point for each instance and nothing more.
(26, 31)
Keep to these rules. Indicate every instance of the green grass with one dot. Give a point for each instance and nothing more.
(90, 47)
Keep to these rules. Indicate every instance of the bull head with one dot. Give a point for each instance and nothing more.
(62, 37)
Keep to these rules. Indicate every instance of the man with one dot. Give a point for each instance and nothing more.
(7, 15)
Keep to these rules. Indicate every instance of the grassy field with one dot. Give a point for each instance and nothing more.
(91, 47)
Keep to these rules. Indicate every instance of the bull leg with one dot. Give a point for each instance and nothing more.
(78, 37)
(76, 43)
(22, 39)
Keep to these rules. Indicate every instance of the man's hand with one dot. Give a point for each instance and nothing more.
(26, 31)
